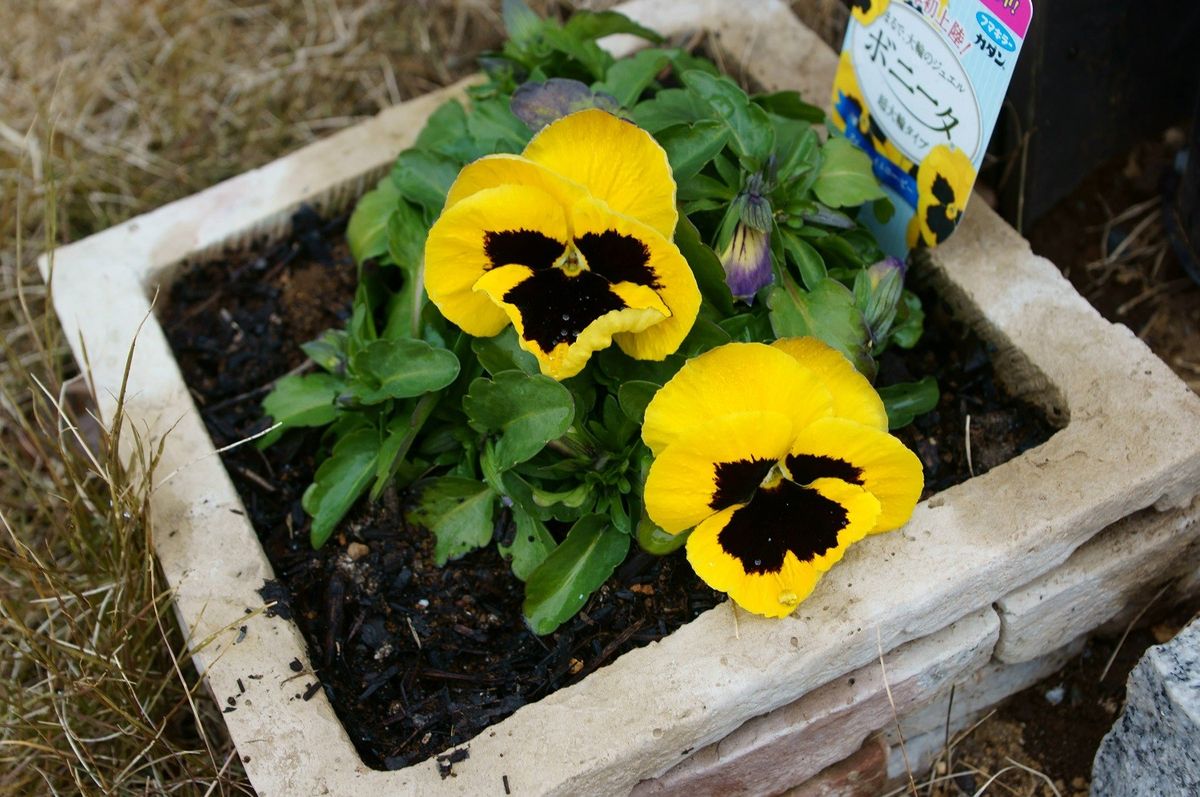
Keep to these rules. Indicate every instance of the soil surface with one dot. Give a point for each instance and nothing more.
(417, 659)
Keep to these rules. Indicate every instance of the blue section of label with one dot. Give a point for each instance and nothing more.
(995, 31)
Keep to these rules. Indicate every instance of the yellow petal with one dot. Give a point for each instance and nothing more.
(491, 228)
(853, 396)
(618, 162)
(885, 468)
(736, 377)
(693, 478)
(561, 319)
(624, 249)
(775, 589)
(495, 170)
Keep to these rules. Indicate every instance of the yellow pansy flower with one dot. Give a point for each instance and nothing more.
(570, 242)
(778, 457)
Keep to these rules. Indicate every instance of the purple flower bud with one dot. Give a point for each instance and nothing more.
(747, 262)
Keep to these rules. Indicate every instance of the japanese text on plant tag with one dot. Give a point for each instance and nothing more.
(919, 87)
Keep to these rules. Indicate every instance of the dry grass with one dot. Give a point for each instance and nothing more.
(110, 108)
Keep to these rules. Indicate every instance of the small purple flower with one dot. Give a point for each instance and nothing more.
(747, 261)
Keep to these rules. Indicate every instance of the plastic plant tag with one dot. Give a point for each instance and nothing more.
(919, 86)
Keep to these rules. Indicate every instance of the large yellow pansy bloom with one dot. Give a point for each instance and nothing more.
(570, 242)
(778, 457)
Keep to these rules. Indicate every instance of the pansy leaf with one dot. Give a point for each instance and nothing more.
(797, 147)
(301, 401)
(705, 335)
(445, 132)
(583, 50)
(391, 369)
(406, 232)
(340, 481)
(690, 147)
(494, 128)
(537, 104)
(503, 353)
(906, 400)
(845, 178)
(531, 543)
(424, 177)
(753, 136)
(328, 351)
(788, 104)
(585, 24)
(628, 77)
(701, 186)
(560, 586)
(710, 276)
(525, 410)
(633, 398)
(808, 260)
(671, 107)
(827, 312)
(521, 23)
(910, 321)
(459, 513)
(366, 233)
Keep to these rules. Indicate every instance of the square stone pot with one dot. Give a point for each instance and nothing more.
(1129, 442)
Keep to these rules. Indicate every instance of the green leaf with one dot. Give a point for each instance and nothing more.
(690, 147)
(910, 321)
(298, 401)
(402, 368)
(827, 312)
(531, 544)
(406, 233)
(494, 128)
(797, 148)
(391, 449)
(788, 104)
(424, 177)
(340, 481)
(527, 411)
(520, 21)
(629, 77)
(904, 401)
(366, 232)
(634, 396)
(654, 540)
(705, 335)
(459, 513)
(583, 50)
(328, 351)
(671, 107)
(710, 274)
(557, 589)
(753, 135)
(503, 353)
(585, 25)
(845, 178)
(808, 260)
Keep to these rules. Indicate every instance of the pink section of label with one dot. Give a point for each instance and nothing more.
(1014, 14)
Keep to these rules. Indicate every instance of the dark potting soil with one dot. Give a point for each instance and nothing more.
(415, 658)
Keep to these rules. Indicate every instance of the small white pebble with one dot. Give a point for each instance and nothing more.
(423, 603)
(1055, 696)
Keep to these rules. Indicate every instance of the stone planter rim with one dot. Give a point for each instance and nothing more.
(1128, 444)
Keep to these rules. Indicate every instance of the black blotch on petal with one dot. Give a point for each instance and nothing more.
(807, 468)
(618, 258)
(784, 518)
(521, 247)
(939, 222)
(556, 307)
(737, 481)
(942, 190)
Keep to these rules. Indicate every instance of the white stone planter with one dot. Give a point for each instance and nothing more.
(1130, 442)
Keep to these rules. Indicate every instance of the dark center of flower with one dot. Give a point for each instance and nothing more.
(807, 468)
(784, 517)
(570, 285)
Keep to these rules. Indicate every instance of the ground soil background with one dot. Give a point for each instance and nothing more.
(107, 110)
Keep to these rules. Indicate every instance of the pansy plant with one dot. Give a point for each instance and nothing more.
(616, 301)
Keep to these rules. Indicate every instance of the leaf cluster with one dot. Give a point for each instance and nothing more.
(490, 449)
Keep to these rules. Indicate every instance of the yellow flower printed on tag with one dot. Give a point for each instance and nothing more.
(944, 182)
(570, 242)
(778, 457)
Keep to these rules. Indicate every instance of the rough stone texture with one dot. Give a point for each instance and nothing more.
(1153, 749)
(925, 728)
(794, 743)
(1130, 443)
(1124, 565)
(861, 775)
